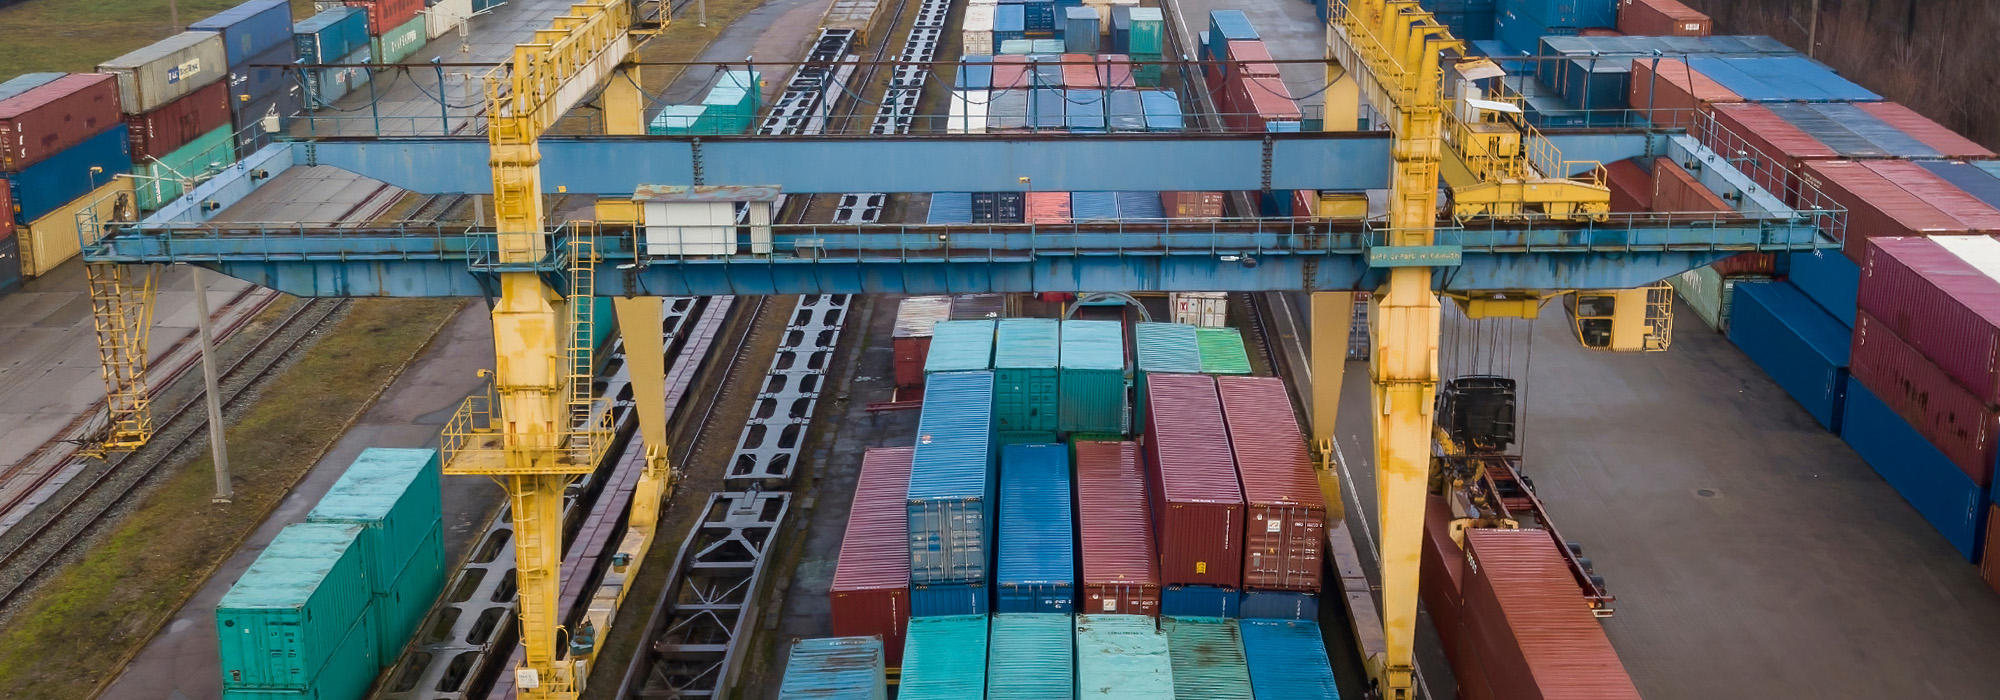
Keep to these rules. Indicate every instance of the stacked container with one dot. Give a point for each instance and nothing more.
(1207, 656)
(1286, 525)
(977, 30)
(185, 128)
(1172, 348)
(1287, 659)
(1122, 657)
(1120, 570)
(870, 594)
(1799, 345)
(1197, 504)
(1092, 378)
(395, 495)
(257, 33)
(1031, 656)
(54, 238)
(1146, 43)
(1661, 18)
(1025, 357)
(835, 668)
(1080, 30)
(296, 624)
(1222, 351)
(399, 42)
(52, 133)
(385, 16)
(1037, 562)
(916, 320)
(950, 514)
(1524, 626)
(945, 659)
(960, 346)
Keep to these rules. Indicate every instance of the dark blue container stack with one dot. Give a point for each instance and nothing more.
(259, 40)
(952, 489)
(1471, 20)
(61, 178)
(1801, 346)
(1037, 563)
(1925, 477)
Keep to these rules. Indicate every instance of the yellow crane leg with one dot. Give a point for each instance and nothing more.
(1403, 368)
(624, 106)
(538, 501)
(1342, 99)
(1332, 317)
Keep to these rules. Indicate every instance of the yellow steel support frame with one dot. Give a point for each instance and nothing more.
(121, 305)
(1332, 318)
(1399, 46)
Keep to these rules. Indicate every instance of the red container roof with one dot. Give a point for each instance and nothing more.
(1565, 649)
(1864, 188)
(1918, 180)
(1931, 133)
(1048, 207)
(52, 91)
(1269, 98)
(1186, 420)
(875, 553)
(1677, 73)
(1113, 522)
(1270, 450)
(1751, 120)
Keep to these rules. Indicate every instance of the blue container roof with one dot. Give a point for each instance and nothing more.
(1095, 205)
(1093, 345)
(944, 658)
(1010, 18)
(950, 208)
(1779, 78)
(1973, 179)
(1036, 535)
(954, 438)
(1163, 110)
(1881, 133)
(1083, 13)
(1028, 343)
(1288, 660)
(1140, 205)
(1031, 656)
(1827, 336)
(961, 346)
(1085, 109)
(319, 22)
(1233, 24)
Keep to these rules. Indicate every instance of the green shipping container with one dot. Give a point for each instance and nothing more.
(944, 658)
(1025, 356)
(158, 183)
(1092, 378)
(289, 613)
(1208, 658)
(397, 44)
(961, 346)
(395, 494)
(1123, 657)
(677, 120)
(410, 596)
(1222, 351)
(1032, 657)
(1172, 348)
(347, 676)
(1025, 437)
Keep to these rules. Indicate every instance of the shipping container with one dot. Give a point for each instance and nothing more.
(398, 43)
(870, 593)
(976, 31)
(835, 668)
(1204, 309)
(402, 605)
(1163, 113)
(325, 86)
(158, 133)
(1852, 131)
(960, 346)
(1207, 658)
(1532, 637)
(1031, 656)
(1441, 578)
(7, 220)
(1662, 18)
(349, 671)
(161, 181)
(387, 15)
(1096, 206)
(1192, 205)
(1173, 348)
(1279, 605)
(944, 599)
(1006, 110)
(1829, 279)
(1287, 659)
(1967, 177)
(10, 263)
(1940, 296)
(1080, 30)
(1197, 503)
(1147, 35)
(167, 70)
(945, 659)
(251, 29)
(1026, 354)
(250, 83)
(330, 35)
(1120, 571)
(1200, 601)
(952, 479)
(1140, 206)
(915, 319)
(975, 72)
(248, 117)
(1989, 554)
(55, 183)
(1800, 346)
(968, 115)
(1956, 203)
(1037, 559)
(50, 118)
(1286, 525)
(1092, 380)
(1122, 657)
(1677, 190)
(1000, 207)
(1937, 136)
(1125, 112)
(1631, 186)
(1775, 149)
(1779, 79)
(1671, 93)
(55, 238)
(1047, 107)
(27, 81)
(1875, 206)
(394, 495)
(288, 614)
(1050, 207)
(1952, 418)
(948, 208)
(1925, 477)
(444, 16)
(1222, 351)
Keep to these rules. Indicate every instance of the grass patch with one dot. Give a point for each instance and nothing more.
(96, 612)
(74, 36)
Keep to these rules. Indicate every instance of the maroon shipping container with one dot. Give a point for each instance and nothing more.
(1674, 189)
(1674, 92)
(384, 15)
(1631, 186)
(1441, 576)
(1937, 192)
(1192, 205)
(1661, 18)
(46, 120)
(1197, 503)
(1527, 626)
(871, 583)
(1120, 573)
(175, 124)
(1940, 303)
(1251, 57)
(1747, 264)
(1598, 31)
(1775, 149)
(1875, 206)
(1951, 418)
(916, 317)
(1285, 530)
(1931, 133)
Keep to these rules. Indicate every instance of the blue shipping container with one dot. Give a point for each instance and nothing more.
(1928, 480)
(943, 599)
(960, 346)
(1975, 181)
(249, 84)
(952, 479)
(62, 178)
(1095, 205)
(950, 208)
(1779, 79)
(251, 29)
(1288, 660)
(1280, 605)
(1163, 110)
(975, 73)
(329, 35)
(835, 668)
(1830, 280)
(1037, 568)
(1200, 601)
(1010, 22)
(1140, 205)
(1800, 346)
(1039, 17)
(1084, 111)
(25, 82)
(1230, 25)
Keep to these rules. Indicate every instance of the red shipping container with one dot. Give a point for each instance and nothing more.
(1915, 179)
(916, 318)
(1931, 294)
(1747, 264)
(1989, 564)
(1921, 128)
(1117, 71)
(1676, 190)
(6, 212)
(384, 15)
(1598, 31)
(1192, 205)
(175, 124)
(1048, 208)
(1526, 623)
(1120, 573)
(1875, 207)
(871, 583)
(64, 112)
(1285, 530)
(1259, 100)
(1080, 71)
(1674, 92)
(1441, 576)
(1197, 502)
(1631, 186)
(1661, 18)
(1010, 72)
(1251, 58)
(1772, 149)
(1951, 418)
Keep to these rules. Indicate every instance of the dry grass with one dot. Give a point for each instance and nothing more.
(104, 607)
(76, 35)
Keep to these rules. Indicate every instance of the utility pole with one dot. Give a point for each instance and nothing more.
(216, 449)
(1812, 30)
(174, 16)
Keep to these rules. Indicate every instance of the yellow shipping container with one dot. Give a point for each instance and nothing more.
(52, 239)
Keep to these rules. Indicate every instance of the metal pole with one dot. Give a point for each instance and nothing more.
(444, 98)
(1812, 30)
(216, 448)
(703, 4)
(374, 105)
(174, 15)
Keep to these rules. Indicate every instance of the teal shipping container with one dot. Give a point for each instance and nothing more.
(1122, 657)
(398, 43)
(961, 346)
(1031, 656)
(944, 658)
(1287, 659)
(1208, 658)
(290, 612)
(677, 120)
(402, 608)
(1025, 356)
(158, 183)
(1222, 351)
(835, 668)
(395, 495)
(346, 676)
(1092, 379)
(1173, 348)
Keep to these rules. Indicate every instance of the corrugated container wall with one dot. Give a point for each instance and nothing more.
(289, 613)
(1799, 345)
(1287, 659)
(1031, 656)
(1925, 477)
(53, 239)
(395, 495)
(47, 119)
(25, 82)
(1949, 417)
(952, 480)
(835, 668)
(1200, 601)
(945, 659)
(1025, 357)
(330, 35)
(1207, 658)
(870, 594)
(385, 15)
(1533, 639)
(1190, 205)
(1286, 523)
(960, 346)
(158, 133)
(1222, 351)
(57, 181)
(1122, 657)
(945, 599)
(1279, 605)
(1092, 378)
(1830, 279)
(1671, 93)
(1661, 18)
(1037, 562)
(916, 318)
(168, 69)
(398, 43)
(1197, 503)
(1171, 348)
(1938, 136)
(251, 29)
(409, 596)
(1875, 206)
(1120, 571)
(1940, 295)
